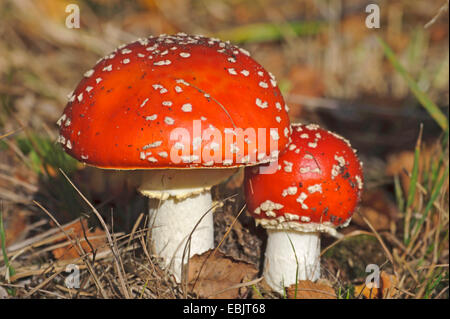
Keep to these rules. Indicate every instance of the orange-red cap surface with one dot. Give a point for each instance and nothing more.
(318, 182)
(175, 101)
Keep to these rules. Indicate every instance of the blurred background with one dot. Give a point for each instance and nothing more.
(330, 66)
(332, 69)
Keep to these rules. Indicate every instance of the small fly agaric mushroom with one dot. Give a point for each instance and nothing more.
(316, 188)
(185, 112)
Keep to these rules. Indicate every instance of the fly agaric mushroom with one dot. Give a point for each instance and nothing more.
(184, 112)
(317, 187)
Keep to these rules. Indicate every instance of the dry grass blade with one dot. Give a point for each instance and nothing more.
(10, 133)
(44, 283)
(133, 230)
(16, 181)
(78, 248)
(440, 12)
(241, 285)
(49, 236)
(349, 235)
(116, 255)
(380, 240)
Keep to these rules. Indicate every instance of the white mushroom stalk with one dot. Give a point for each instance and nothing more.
(181, 213)
(291, 256)
(293, 251)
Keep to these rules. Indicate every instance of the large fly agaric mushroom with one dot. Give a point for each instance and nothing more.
(184, 112)
(316, 189)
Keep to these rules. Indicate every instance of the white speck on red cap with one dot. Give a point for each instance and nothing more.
(168, 120)
(187, 107)
(261, 104)
(88, 73)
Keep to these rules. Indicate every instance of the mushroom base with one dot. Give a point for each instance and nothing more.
(291, 256)
(173, 222)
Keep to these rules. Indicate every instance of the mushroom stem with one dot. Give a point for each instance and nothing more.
(291, 256)
(173, 221)
(178, 200)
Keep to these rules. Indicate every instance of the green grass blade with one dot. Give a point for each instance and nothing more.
(399, 194)
(263, 32)
(429, 205)
(423, 98)
(412, 186)
(3, 239)
(437, 167)
(414, 173)
(297, 266)
(257, 292)
(11, 271)
(432, 283)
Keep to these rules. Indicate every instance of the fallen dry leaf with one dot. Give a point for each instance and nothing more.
(378, 208)
(307, 289)
(97, 240)
(14, 225)
(219, 273)
(397, 164)
(385, 291)
(378, 220)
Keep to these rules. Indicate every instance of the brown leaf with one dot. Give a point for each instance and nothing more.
(378, 208)
(15, 225)
(397, 164)
(378, 220)
(97, 240)
(307, 289)
(219, 273)
(385, 291)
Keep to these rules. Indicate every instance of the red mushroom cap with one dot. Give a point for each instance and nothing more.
(316, 188)
(175, 101)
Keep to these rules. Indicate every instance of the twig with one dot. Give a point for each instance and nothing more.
(44, 283)
(237, 286)
(441, 10)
